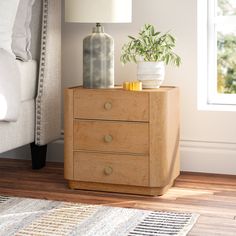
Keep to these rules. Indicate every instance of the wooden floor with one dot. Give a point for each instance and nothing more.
(212, 196)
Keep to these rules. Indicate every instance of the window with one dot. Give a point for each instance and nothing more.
(217, 50)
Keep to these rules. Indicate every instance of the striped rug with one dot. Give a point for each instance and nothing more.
(34, 217)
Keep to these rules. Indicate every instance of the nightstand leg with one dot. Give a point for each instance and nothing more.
(38, 156)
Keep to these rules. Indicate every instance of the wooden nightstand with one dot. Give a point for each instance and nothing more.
(122, 141)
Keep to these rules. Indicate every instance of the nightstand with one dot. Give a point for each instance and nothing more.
(121, 141)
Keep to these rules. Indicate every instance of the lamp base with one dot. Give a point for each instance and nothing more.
(98, 59)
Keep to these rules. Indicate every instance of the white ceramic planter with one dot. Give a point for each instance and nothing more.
(151, 74)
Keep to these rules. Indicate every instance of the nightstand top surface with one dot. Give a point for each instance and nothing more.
(119, 88)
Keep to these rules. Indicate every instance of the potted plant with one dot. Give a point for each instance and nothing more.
(151, 50)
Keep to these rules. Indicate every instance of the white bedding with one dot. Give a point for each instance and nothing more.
(9, 87)
(18, 82)
(28, 79)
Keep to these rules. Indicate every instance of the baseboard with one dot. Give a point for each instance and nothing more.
(208, 157)
(55, 152)
(196, 156)
(21, 153)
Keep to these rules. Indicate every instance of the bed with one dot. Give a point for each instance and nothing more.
(38, 122)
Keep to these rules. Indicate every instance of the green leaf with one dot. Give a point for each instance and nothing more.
(131, 37)
(152, 30)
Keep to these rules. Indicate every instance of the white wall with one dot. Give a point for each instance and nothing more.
(208, 139)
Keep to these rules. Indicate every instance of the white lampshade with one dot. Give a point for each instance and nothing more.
(98, 11)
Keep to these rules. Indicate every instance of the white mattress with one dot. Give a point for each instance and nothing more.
(28, 71)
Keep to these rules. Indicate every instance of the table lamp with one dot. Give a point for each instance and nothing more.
(98, 48)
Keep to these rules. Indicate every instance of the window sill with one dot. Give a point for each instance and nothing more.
(216, 107)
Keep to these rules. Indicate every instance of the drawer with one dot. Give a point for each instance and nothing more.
(111, 136)
(112, 169)
(111, 104)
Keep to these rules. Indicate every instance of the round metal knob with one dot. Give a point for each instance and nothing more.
(108, 106)
(108, 170)
(108, 138)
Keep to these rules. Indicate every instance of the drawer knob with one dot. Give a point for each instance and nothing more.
(108, 106)
(108, 138)
(108, 170)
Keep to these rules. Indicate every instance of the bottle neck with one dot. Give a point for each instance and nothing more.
(98, 29)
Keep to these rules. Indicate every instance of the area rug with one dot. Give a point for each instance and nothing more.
(34, 217)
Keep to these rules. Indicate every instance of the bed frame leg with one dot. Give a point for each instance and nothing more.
(38, 156)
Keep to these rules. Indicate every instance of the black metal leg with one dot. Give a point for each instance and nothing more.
(38, 156)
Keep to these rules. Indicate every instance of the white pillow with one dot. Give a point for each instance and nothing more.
(8, 9)
(21, 37)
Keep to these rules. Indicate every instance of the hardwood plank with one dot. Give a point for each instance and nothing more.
(212, 196)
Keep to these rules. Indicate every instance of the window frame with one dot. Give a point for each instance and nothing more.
(208, 97)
